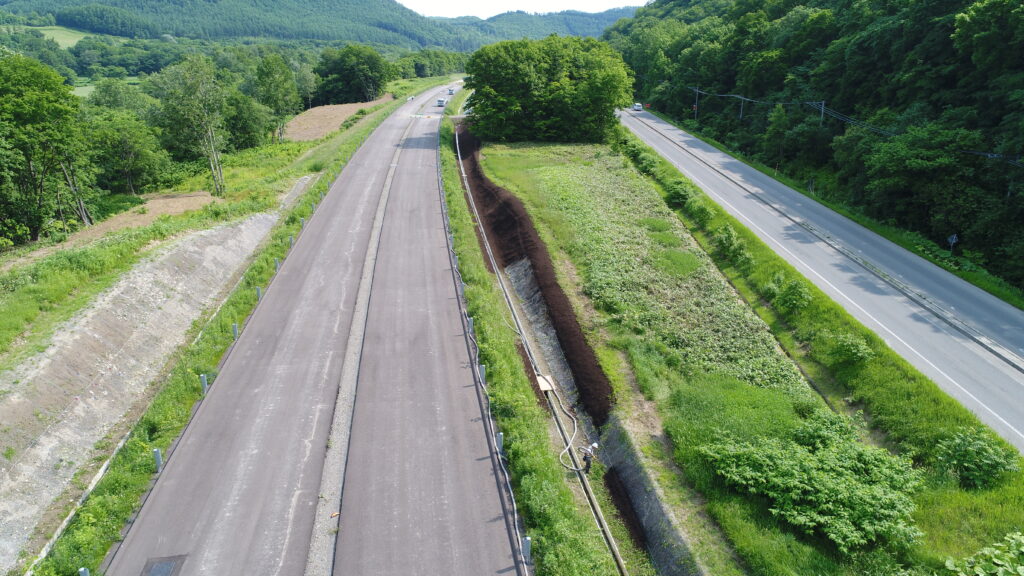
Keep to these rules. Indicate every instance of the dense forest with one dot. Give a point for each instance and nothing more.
(381, 22)
(910, 112)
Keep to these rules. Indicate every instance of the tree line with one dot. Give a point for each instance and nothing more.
(66, 162)
(929, 85)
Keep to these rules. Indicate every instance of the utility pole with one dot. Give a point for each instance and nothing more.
(822, 118)
(742, 102)
(696, 101)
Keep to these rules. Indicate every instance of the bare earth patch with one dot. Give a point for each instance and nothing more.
(315, 123)
(142, 215)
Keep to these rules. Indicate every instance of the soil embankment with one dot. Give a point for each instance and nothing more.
(315, 123)
(506, 220)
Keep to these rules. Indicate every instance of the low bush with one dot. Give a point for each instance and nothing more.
(825, 481)
(976, 457)
(1003, 559)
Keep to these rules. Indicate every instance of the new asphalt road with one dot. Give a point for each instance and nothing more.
(239, 492)
(969, 342)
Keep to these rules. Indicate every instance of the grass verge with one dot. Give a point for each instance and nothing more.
(98, 522)
(963, 267)
(566, 539)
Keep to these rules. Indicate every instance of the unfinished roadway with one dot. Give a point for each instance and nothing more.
(363, 316)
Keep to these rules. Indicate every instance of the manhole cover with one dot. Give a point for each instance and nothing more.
(169, 566)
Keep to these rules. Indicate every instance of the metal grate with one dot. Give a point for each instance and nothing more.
(168, 566)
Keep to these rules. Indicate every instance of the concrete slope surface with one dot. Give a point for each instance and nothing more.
(239, 492)
(420, 496)
(969, 342)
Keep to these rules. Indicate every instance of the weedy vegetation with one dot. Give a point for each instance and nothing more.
(795, 487)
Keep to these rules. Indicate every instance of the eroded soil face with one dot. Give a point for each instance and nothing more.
(315, 123)
(515, 236)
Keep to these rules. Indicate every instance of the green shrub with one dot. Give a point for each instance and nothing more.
(731, 246)
(1003, 559)
(678, 193)
(976, 457)
(844, 349)
(793, 297)
(698, 211)
(825, 482)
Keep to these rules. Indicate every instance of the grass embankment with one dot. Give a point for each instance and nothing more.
(713, 370)
(964, 267)
(566, 539)
(913, 414)
(98, 523)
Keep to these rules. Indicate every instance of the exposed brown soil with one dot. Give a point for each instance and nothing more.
(315, 123)
(507, 222)
(144, 215)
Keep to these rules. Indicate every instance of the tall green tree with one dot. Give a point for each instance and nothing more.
(248, 122)
(555, 89)
(127, 154)
(192, 112)
(276, 89)
(354, 73)
(37, 114)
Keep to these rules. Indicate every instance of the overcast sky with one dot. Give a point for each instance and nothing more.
(488, 8)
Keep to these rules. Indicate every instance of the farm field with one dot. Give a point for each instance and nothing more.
(726, 391)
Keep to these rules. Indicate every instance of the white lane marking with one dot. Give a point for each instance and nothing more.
(722, 200)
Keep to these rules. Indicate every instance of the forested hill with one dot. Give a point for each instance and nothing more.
(912, 90)
(368, 21)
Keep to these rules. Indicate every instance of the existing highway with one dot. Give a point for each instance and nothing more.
(239, 493)
(969, 342)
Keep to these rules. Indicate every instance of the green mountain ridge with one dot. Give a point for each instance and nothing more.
(368, 21)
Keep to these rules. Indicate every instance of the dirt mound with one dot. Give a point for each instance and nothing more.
(315, 123)
(508, 224)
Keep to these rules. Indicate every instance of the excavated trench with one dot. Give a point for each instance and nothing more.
(558, 336)
(515, 238)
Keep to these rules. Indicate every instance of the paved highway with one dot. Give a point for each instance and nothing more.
(969, 342)
(240, 491)
(420, 495)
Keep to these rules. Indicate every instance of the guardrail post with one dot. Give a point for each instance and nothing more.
(470, 324)
(83, 572)
(302, 223)
(527, 549)
(234, 330)
(277, 265)
(158, 460)
(483, 374)
(259, 293)
(204, 383)
(501, 442)
(291, 242)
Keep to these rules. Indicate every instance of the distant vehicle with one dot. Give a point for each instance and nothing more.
(451, 91)
(441, 102)
(638, 107)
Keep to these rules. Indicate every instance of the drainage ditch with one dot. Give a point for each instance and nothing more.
(555, 333)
